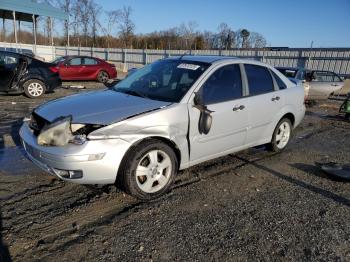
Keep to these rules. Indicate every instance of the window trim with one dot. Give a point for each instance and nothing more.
(272, 78)
(243, 84)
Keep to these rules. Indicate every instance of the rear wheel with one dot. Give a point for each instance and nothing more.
(103, 77)
(34, 88)
(149, 170)
(281, 136)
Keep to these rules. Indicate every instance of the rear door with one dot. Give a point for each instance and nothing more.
(8, 67)
(265, 101)
(222, 93)
(323, 84)
(71, 69)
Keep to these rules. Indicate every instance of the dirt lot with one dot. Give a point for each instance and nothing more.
(254, 205)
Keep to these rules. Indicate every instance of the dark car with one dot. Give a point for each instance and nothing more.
(20, 73)
(85, 68)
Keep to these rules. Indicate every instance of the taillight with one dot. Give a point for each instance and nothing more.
(53, 69)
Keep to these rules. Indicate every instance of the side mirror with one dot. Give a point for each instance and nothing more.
(205, 118)
(111, 82)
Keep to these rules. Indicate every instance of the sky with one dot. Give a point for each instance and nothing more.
(293, 23)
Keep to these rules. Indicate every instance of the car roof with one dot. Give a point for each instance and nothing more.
(289, 68)
(79, 56)
(15, 53)
(202, 58)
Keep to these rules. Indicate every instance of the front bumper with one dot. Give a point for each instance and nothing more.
(76, 157)
(53, 82)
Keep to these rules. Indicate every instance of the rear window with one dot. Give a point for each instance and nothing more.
(90, 61)
(288, 72)
(259, 79)
(280, 83)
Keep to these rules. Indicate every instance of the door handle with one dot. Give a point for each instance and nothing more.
(275, 98)
(238, 108)
(334, 84)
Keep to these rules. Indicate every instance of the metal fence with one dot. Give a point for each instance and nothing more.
(329, 59)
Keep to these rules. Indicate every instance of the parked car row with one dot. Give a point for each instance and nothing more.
(318, 84)
(23, 73)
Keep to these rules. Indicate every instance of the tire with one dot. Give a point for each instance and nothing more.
(142, 175)
(102, 77)
(279, 139)
(347, 116)
(34, 88)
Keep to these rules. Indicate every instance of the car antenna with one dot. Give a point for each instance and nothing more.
(183, 55)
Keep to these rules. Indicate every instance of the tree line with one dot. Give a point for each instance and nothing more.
(89, 25)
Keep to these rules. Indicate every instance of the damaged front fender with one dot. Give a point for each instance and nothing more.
(170, 123)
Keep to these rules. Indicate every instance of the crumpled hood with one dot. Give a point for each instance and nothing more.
(101, 107)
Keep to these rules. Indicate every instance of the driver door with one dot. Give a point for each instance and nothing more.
(222, 93)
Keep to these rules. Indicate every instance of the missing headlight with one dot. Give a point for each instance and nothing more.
(58, 133)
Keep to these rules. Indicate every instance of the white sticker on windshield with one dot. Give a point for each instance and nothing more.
(188, 66)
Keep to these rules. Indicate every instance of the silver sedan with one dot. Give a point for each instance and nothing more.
(165, 117)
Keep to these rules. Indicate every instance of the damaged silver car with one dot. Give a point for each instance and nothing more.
(165, 117)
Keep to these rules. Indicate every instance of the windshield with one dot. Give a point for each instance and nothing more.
(58, 60)
(165, 80)
(288, 72)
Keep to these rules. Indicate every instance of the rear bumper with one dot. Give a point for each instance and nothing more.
(77, 158)
(53, 83)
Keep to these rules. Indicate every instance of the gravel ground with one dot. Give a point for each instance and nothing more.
(254, 205)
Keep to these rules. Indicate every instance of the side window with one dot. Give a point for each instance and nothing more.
(223, 85)
(75, 61)
(280, 83)
(325, 76)
(8, 62)
(90, 61)
(259, 79)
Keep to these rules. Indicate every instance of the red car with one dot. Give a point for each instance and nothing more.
(85, 68)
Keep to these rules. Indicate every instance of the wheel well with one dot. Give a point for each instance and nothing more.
(103, 70)
(291, 117)
(166, 141)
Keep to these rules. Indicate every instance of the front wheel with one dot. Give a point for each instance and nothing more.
(281, 136)
(149, 170)
(34, 88)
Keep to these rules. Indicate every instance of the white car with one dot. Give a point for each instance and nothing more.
(165, 117)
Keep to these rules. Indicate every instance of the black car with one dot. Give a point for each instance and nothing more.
(21, 73)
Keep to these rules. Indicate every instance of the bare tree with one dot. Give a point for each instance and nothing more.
(112, 19)
(256, 40)
(66, 6)
(85, 18)
(188, 33)
(226, 37)
(95, 11)
(126, 26)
